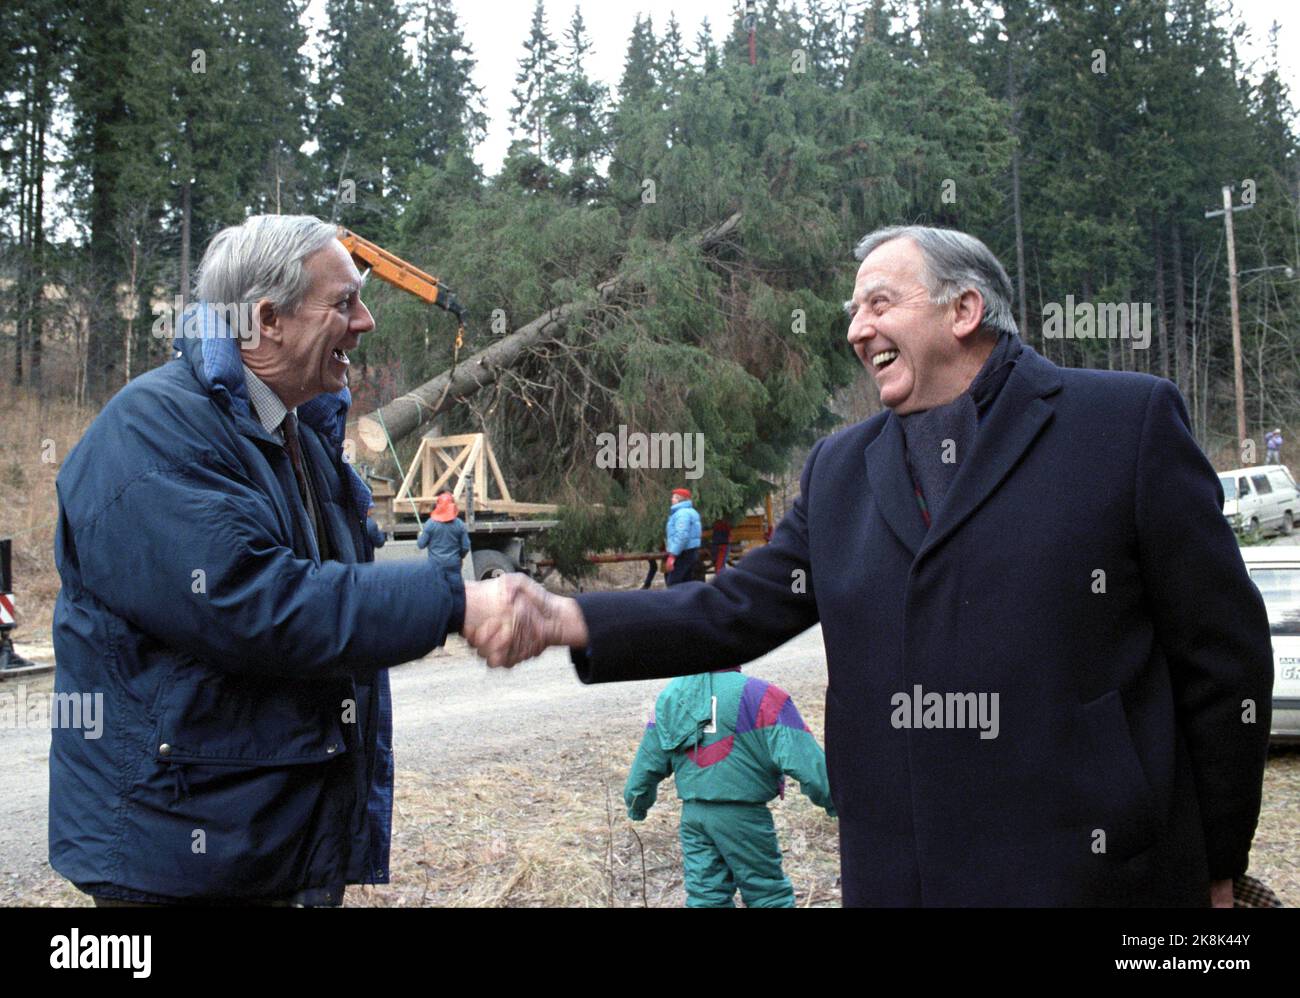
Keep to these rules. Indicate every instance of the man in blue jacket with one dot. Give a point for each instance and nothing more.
(218, 590)
(1049, 675)
(682, 538)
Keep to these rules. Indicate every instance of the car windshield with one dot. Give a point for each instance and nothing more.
(1229, 487)
(1280, 588)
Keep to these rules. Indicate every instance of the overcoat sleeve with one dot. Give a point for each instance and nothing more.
(1211, 624)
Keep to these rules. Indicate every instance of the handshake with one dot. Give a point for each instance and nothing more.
(511, 618)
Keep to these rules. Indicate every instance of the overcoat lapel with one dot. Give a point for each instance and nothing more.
(1017, 416)
(891, 484)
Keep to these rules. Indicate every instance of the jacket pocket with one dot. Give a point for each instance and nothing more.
(1116, 798)
(209, 718)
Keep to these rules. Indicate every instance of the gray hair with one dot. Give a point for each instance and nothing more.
(954, 262)
(262, 258)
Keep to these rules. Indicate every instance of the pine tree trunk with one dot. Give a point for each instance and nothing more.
(1020, 243)
(408, 412)
(185, 242)
(1208, 365)
(36, 332)
(130, 323)
(104, 157)
(1162, 331)
(1180, 309)
(1015, 184)
(23, 287)
(97, 353)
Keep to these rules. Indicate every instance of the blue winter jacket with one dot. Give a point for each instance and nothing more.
(447, 543)
(246, 744)
(683, 528)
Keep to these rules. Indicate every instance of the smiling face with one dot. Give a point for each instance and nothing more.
(920, 354)
(305, 354)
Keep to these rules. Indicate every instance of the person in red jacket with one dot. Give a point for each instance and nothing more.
(720, 543)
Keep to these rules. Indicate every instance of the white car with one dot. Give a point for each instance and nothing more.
(1275, 570)
(1261, 498)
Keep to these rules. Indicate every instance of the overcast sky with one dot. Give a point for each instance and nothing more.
(496, 30)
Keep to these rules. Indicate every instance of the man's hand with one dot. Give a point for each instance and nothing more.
(511, 618)
(669, 562)
(1221, 894)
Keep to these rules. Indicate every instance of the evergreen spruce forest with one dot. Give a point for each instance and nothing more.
(1084, 141)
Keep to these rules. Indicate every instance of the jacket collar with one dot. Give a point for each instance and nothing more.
(1011, 425)
(211, 348)
(206, 343)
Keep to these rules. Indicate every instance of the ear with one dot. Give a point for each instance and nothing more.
(967, 314)
(269, 320)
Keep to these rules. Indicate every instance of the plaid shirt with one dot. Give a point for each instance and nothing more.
(270, 411)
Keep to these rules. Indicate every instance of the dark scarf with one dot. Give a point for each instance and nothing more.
(924, 432)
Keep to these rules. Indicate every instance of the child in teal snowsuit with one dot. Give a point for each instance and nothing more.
(730, 741)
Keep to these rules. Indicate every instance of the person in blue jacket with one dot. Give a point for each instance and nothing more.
(683, 538)
(730, 741)
(444, 534)
(212, 548)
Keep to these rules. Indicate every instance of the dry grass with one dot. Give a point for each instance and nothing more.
(1275, 851)
(556, 835)
(544, 837)
(38, 435)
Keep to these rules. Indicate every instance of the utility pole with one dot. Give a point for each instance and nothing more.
(1238, 378)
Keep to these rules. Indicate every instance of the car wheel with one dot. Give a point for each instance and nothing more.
(489, 564)
(1288, 524)
(1252, 529)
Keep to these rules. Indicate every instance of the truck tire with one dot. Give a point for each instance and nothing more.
(488, 564)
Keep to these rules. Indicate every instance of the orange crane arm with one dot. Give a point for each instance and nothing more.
(400, 274)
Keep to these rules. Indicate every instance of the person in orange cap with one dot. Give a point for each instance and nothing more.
(444, 533)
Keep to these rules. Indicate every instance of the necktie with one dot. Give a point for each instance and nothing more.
(291, 444)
